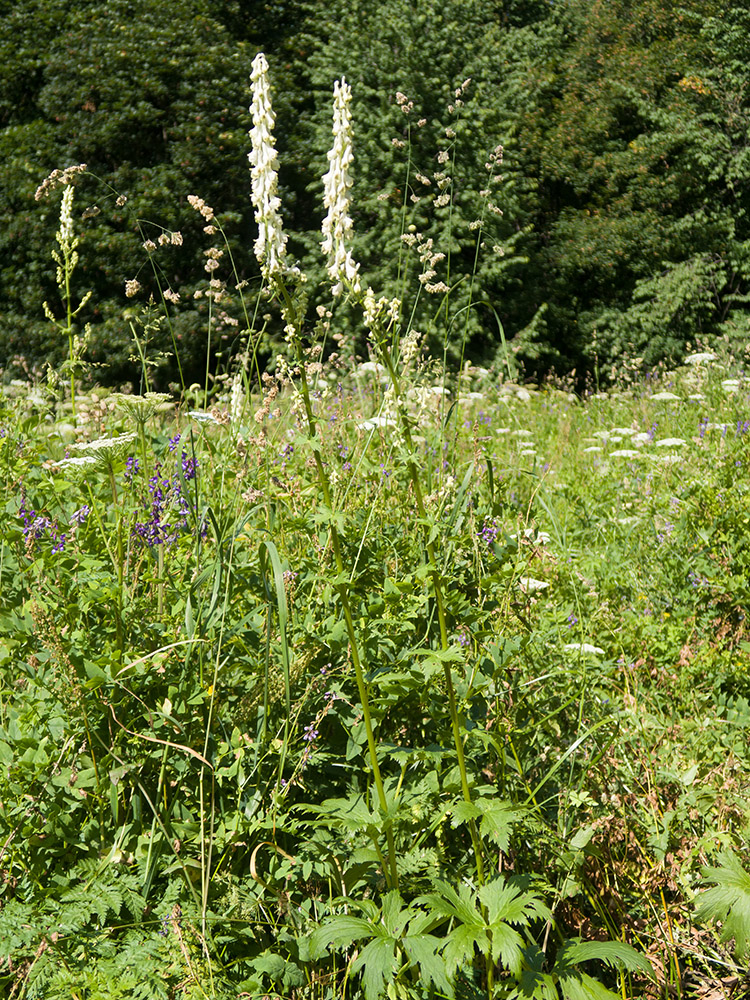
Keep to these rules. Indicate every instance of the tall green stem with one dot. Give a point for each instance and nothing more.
(343, 592)
(440, 606)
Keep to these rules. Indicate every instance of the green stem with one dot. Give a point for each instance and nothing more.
(343, 592)
(440, 605)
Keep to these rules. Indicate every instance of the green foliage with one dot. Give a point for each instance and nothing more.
(333, 681)
(728, 902)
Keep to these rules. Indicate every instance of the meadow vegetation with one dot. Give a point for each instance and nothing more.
(374, 672)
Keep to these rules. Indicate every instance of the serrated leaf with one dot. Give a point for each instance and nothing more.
(613, 953)
(423, 950)
(507, 946)
(378, 963)
(728, 902)
(342, 931)
(497, 821)
(464, 812)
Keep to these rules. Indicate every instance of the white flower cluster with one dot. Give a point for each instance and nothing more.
(374, 308)
(337, 225)
(65, 236)
(270, 246)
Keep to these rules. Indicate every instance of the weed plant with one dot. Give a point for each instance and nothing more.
(366, 677)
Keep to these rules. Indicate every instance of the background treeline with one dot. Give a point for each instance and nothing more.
(619, 228)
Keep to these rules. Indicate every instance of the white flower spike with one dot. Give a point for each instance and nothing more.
(270, 246)
(337, 225)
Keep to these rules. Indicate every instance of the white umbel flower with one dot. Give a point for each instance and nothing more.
(270, 246)
(337, 225)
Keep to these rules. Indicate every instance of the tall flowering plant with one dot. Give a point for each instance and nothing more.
(270, 249)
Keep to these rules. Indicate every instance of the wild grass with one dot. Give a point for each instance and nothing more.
(367, 677)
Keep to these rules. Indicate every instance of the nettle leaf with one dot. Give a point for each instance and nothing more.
(464, 812)
(728, 902)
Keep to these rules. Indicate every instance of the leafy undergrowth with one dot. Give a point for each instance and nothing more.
(546, 759)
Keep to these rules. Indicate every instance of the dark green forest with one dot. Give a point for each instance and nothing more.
(603, 143)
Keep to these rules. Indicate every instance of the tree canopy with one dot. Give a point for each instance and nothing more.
(583, 164)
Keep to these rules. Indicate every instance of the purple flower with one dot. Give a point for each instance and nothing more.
(167, 511)
(189, 467)
(80, 515)
(173, 442)
(488, 531)
(132, 468)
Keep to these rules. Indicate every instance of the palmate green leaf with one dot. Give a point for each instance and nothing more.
(511, 904)
(728, 902)
(459, 905)
(462, 943)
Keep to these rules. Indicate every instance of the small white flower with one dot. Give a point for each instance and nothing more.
(643, 437)
(80, 462)
(594, 447)
(664, 397)
(730, 384)
(670, 443)
(202, 417)
(65, 235)
(583, 647)
(699, 359)
(624, 453)
(106, 444)
(377, 421)
(372, 366)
